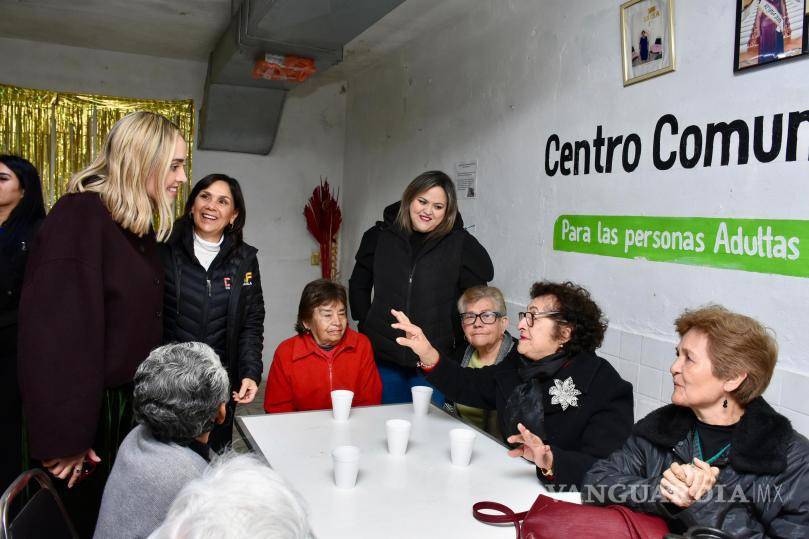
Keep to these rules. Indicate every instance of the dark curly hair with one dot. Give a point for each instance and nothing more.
(577, 311)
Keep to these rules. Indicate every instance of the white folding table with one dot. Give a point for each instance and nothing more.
(419, 495)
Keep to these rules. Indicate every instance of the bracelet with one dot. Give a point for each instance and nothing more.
(426, 368)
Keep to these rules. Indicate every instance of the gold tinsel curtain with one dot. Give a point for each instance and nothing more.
(25, 128)
(60, 133)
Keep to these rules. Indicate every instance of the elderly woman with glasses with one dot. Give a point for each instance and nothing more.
(484, 321)
(559, 404)
(181, 391)
(718, 456)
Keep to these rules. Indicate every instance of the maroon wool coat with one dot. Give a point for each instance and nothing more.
(90, 312)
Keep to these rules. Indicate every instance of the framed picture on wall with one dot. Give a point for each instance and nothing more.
(647, 39)
(768, 31)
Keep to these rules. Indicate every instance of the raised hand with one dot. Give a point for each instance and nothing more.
(532, 448)
(414, 339)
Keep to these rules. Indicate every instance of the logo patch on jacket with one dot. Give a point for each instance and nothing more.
(227, 283)
(248, 279)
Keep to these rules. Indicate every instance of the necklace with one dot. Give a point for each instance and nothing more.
(699, 450)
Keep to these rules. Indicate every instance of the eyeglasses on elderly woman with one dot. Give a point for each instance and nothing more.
(531, 316)
(487, 317)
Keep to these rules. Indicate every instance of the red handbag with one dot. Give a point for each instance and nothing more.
(551, 519)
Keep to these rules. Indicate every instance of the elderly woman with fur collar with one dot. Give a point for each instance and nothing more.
(719, 456)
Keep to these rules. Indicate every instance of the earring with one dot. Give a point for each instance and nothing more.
(725, 403)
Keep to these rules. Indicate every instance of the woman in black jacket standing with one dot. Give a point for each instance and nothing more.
(21, 212)
(213, 289)
(418, 260)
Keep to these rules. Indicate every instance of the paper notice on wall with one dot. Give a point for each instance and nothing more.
(466, 178)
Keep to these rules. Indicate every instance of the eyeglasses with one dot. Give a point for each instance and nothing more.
(487, 317)
(531, 316)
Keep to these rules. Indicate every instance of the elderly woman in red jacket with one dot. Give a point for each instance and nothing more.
(325, 355)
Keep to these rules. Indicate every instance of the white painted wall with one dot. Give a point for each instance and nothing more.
(506, 75)
(309, 145)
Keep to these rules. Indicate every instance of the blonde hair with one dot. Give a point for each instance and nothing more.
(139, 146)
(737, 344)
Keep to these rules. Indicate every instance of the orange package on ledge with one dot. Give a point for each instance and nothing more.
(277, 67)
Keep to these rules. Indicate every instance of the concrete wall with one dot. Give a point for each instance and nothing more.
(276, 187)
(504, 77)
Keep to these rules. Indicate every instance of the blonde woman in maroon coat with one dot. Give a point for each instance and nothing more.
(91, 306)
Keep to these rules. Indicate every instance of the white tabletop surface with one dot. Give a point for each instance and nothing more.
(419, 495)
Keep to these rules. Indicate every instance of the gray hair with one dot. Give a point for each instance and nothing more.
(477, 293)
(237, 496)
(178, 390)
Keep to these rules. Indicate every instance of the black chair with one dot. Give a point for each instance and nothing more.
(43, 515)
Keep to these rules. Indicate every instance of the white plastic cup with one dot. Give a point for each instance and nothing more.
(398, 431)
(421, 399)
(341, 404)
(346, 460)
(460, 446)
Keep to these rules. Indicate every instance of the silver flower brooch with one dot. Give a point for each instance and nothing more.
(564, 393)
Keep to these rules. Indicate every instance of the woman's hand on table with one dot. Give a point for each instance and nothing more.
(414, 339)
(532, 448)
(247, 392)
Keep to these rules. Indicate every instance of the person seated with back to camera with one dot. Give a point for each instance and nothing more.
(561, 405)
(180, 394)
(719, 456)
(325, 355)
(238, 496)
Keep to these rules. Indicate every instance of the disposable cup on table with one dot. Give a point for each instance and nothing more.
(460, 446)
(421, 399)
(346, 459)
(341, 404)
(398, 432)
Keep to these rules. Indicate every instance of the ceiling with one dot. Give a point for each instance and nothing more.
(185, 29)
(190, 29)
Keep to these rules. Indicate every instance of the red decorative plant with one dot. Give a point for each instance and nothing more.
(323, 219)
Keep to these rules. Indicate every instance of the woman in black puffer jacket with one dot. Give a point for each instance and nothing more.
(418, 260)
(213, 289)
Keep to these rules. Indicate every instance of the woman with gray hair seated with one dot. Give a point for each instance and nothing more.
(180, 394)
(484, 322)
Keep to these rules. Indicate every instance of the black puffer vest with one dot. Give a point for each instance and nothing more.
(209, 306)
(426, 290)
